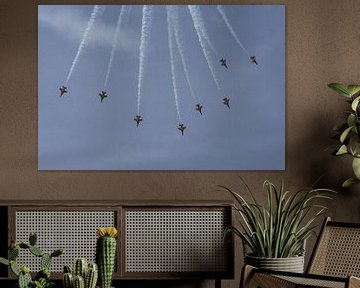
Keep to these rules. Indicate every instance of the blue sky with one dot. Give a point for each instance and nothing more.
(77, 132)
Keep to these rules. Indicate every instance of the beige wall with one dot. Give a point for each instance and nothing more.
(322, 46)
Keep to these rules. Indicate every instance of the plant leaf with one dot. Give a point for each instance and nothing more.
(349, 182)
(4, 261)
(355, 103)
(345, 134)
(356, 167)
(342, 150)
(353, 89)
(351, 121)
(340, 88)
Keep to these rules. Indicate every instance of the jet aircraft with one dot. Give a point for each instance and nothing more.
(253, 60)
(138, 119)
(199, 108)
(181, 127)
(223, 63)
(63, 90)
(226, 101)
(103, 95)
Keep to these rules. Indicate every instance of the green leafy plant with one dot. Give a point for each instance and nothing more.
(43, 283)
(42, 278)
(279, 229)
(348, 132)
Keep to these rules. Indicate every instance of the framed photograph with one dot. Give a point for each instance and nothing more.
(161, 87)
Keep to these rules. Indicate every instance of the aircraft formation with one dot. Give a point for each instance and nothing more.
(138, 118)
(198, 107)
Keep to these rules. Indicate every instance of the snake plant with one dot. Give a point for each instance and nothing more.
(279, 228)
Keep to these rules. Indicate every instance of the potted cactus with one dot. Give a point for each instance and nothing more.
(84, 275)
(42, 278)
(106, 254)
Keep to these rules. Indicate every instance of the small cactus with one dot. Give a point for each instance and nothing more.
(13, 253)
(24, 278)
(68, 280)
(32, 238)
(45, 261)
(80, 268)
(106, 254)
(57, 252)
(90, 272)
(79, 282)
(36, 251)
(14, 268)
(4, 261)
(91, 276)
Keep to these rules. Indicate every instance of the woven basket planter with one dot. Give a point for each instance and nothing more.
(291, 264)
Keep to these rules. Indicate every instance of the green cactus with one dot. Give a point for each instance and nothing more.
(42, 278)
(105, 258)
(24, 280)
(87, 272)
(24, 245)
(14, 268)
(4, 261)
(67, 269)
(45, 261)
(36, 251)
(57, 252)
(80, 268)
(68, 280)
(32, 238)
(79, 282)
(13, 253)
(91, 276)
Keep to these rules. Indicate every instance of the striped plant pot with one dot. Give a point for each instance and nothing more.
(291, 264)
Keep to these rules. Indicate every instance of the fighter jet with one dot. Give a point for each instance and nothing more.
(181, 127)
(223, 63)
(138, 119)
(253, 60)
(103, 95)
(226, 101)
(199, 108)
(63, 90)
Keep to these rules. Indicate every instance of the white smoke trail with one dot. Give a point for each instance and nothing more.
(123, 12)
(144, 40)
(172, 62)
(84, 39)
(201, 22)
(231, 29)
(195, 13)
(175, 24)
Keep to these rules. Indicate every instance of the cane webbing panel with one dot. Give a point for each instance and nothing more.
(75, 231)
(175, 241)
(338, 252)
(304, 282)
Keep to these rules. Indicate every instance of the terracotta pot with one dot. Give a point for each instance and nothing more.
(291, 264)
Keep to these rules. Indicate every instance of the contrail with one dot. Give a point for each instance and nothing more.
(123, 12)
(195, 15)
(175, 24)
(172, 62)
(144, 40)
(231, 29)
(200, 20)
(84, 39)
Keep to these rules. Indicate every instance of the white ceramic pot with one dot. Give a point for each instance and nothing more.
(291, 264)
